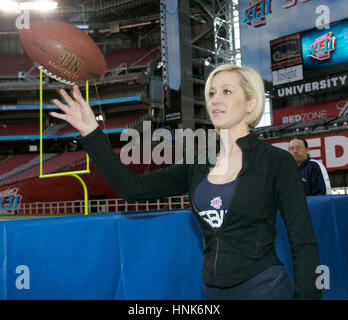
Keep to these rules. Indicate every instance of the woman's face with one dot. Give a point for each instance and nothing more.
(227, 105)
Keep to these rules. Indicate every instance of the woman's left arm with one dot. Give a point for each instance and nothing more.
(294, 209)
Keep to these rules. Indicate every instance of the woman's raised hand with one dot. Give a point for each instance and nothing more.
(78, 112)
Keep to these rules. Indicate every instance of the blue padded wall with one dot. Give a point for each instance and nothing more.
(141, 256)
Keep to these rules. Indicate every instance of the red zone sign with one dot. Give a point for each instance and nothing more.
(308, 112)
(331, 149)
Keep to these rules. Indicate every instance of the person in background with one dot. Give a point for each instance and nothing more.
(314, 175)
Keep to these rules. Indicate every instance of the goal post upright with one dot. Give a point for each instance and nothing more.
(69, 173)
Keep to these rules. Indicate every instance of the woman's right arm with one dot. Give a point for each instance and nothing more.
(152, 185)
(155, 184)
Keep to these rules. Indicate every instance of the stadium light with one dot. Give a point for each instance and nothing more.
(9, 5)
(82, 26)
(39, 5)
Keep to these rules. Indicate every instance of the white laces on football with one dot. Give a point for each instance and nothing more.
(52, 75)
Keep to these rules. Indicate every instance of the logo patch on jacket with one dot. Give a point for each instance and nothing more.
(216, 203)
(214, 217)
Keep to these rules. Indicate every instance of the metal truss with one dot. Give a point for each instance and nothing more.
(224, 15)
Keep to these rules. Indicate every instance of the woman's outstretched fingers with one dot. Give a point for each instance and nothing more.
(76, 94)
(58, 115)
(60, 105)
(77, 112)
(65, 96)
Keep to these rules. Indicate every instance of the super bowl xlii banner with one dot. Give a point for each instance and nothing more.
(9, 200)
(269, 41)
(312, 54)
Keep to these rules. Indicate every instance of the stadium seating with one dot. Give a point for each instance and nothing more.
(20, 129)
(52, 164)
(34, 189)
(131, 57)
(22, 170)
(11, 64)
(15, 161)
(119, 122)
(27, 165)
(63, 161)
(34, 129)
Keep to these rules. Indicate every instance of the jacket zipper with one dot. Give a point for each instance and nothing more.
(216, 255)
(231, 201)
(216, 232)
(217, 247)
(258, 241)
(216, 236)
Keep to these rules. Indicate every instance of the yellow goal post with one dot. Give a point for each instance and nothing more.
(68, 173)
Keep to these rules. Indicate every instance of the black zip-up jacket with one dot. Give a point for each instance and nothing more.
(244, 244)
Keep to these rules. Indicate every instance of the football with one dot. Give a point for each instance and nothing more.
(63, 51)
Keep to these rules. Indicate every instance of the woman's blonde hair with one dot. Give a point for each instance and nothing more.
(252, 85)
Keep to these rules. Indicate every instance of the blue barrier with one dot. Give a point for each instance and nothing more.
(329, 215)
(109, 256)
(141, 256)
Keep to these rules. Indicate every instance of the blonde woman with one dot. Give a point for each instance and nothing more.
(235, 199)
